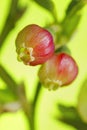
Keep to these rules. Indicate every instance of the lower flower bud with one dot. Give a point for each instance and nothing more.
(60, 70)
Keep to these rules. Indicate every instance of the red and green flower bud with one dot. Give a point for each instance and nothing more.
(60, 70)
(34, 45)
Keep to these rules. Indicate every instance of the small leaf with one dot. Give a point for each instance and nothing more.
(72, 4)
(82, 101)
(47, 4)
(70, 25)
(70, 22)
(63, 49)
(72, 17)
(74, 7)
(70, 116)
(68, 112)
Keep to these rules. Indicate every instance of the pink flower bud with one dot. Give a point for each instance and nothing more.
(34, 45)
(59, 70)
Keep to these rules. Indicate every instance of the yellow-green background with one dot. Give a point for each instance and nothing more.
(46, 108)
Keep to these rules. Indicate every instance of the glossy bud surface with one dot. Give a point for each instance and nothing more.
(61, 69)
(34, 45)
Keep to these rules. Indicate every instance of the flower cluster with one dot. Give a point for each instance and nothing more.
(34, 46)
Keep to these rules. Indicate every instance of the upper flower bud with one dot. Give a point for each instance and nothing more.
(59, 70)
(34, 45)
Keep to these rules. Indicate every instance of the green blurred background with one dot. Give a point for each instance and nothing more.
(46, 108)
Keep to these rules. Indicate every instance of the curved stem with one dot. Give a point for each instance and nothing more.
(37, 92)
(28, 108)
(14, 15)
(38, 89)
(8, 79)
(19, 92)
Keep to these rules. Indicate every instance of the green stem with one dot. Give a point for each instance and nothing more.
(8, 79)
(38, 89)
(15, 13)
(9, 22)
(28, 108)
(31, 115)
(37, 92)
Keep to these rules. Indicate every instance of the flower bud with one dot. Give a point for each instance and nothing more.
(34, 45)
(59, 70)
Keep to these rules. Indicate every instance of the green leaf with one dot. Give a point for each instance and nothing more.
(72, 4)
(47, 4)
(68, 28)
(10, 82)
(68, 112)
(72, 17)
(70, 22)
(63, 49)
(74, 7)
(82, 101)
(70, 25)
(70, 116)
(15, 13)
